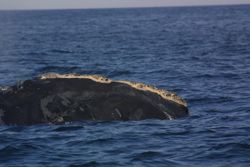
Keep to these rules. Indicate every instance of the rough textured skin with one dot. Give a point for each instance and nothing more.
(55, 98)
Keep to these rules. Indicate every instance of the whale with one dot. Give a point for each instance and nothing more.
(59, 98)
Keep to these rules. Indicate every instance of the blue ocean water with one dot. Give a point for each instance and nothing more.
(201, 53)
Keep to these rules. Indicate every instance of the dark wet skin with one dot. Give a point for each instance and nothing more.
(60, 100)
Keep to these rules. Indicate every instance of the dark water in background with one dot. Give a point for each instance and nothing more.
(201, 53)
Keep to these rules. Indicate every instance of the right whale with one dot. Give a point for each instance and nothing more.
(58, 98)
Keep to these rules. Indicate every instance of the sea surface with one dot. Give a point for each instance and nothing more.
(201, 53)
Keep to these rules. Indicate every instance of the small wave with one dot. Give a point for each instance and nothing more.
(90, 142)
(118, 73)
(87, 164)
(8, 150)
(218, 76)
(14, 129)
(216, 99)
(35, 54)
(146, 155)
(174, 133)
(95, 163)
(68, 128)
(59, 69)
(11, 151)
(100, 141)
(60, 51)
(154, 157)
(224, 151)
(96, 71)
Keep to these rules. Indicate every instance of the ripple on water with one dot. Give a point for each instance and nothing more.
(200, 53)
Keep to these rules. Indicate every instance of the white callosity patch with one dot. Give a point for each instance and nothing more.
(139, 86)
(96, 78)
(163, 93)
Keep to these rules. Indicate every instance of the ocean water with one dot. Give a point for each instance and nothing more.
(201, 53)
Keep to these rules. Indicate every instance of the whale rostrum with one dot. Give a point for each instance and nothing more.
(58, 98)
